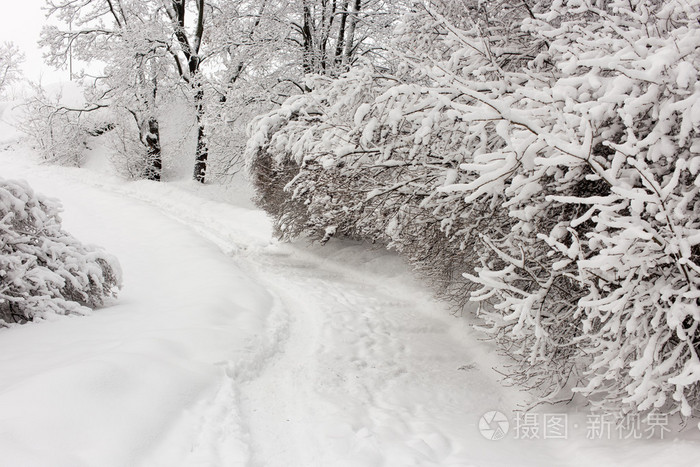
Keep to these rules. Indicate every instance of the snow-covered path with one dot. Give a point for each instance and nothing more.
(371, 361)
(227, 349)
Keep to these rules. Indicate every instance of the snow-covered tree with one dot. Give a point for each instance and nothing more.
(227, 59)
(272, 46)
(246, 74)
(11, 58)
(327, 37)
(45, 271)
(132, 41)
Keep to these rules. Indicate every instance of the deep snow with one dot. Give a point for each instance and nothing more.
(227, 348)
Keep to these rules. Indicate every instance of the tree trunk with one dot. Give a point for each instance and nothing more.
(307, 35)
(190, 49)
(340, 42)
(149, 130)
(200, 163)
(155, 162)
(350, 38)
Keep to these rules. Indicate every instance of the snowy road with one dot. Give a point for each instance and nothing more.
(226, 349)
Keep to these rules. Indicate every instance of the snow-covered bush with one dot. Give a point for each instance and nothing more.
(597, 163)
(554, 147)
(57, 136)
(628, 121)
(44, 270)
(60, 123)
(325, 165)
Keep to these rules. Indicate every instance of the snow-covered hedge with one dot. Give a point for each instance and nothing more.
(554, 149)
(44, 270)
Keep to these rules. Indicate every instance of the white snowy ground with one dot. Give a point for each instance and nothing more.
(226, 349)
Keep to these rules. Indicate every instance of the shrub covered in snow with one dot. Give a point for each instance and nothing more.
(60, 124)
(548, 152)
(43, 269)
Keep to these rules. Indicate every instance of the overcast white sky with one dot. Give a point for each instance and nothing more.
(21, 22)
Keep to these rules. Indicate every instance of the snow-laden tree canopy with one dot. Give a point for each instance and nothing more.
(224, 60)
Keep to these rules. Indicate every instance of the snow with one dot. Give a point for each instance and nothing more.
(226, 348)
(82, 387)
(361, 113)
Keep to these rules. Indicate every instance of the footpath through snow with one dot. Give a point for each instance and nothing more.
(228, 349)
